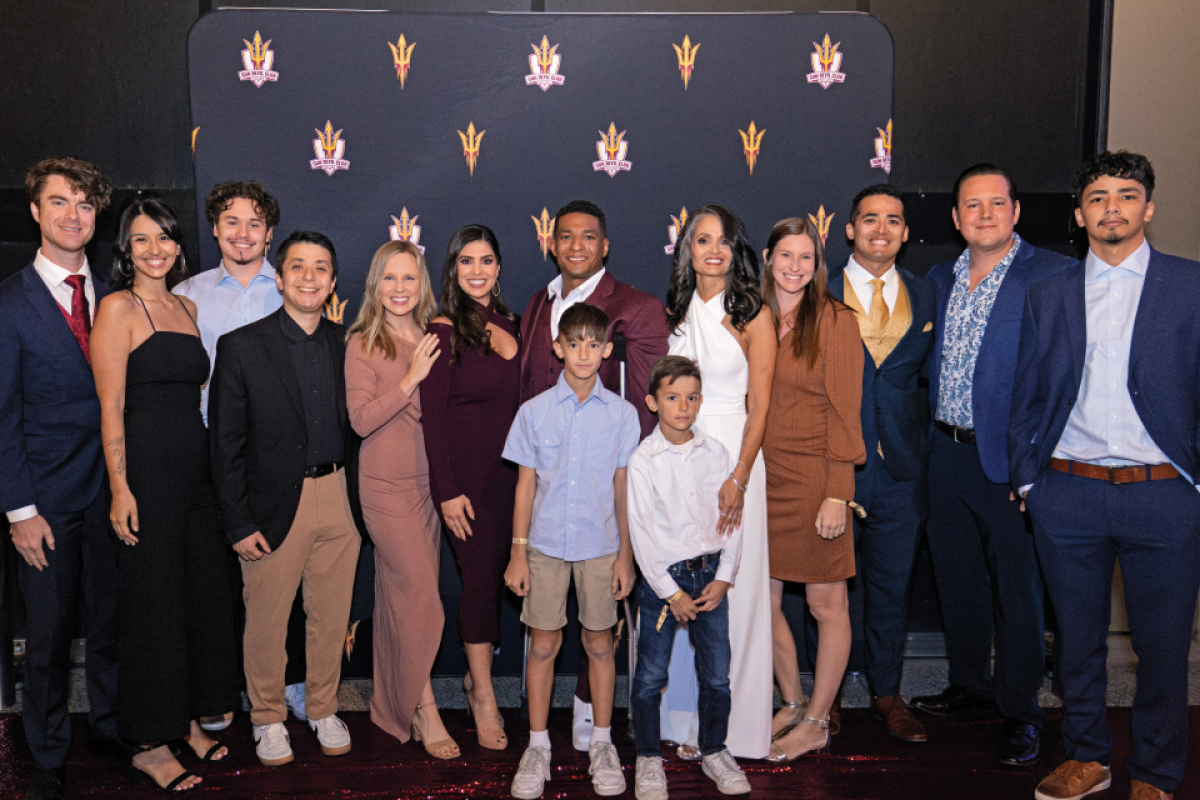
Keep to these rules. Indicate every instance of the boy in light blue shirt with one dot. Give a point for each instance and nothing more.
(572, 444)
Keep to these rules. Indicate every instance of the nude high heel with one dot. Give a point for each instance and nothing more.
(492, 738)
(434, 748)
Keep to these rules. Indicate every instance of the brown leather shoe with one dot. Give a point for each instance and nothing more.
(893, 712)
(835, 715)
(1139, 790)
(1073, 780)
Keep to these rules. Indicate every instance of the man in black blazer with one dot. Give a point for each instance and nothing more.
(281, 440)
(1103, 450)
(52, 477)
(983, 558)
(895, 310)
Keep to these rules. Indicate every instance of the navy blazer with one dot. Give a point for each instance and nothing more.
(50, 447)
(892, 400)
(1164, 367)
(996, 365)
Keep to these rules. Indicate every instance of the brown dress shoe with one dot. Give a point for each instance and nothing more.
(1140, 790)
(1073, 780)
(893, 712)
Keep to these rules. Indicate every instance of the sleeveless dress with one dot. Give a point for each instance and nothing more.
(177, 648)
(726, 379)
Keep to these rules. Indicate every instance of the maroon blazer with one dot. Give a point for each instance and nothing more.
(635, 315)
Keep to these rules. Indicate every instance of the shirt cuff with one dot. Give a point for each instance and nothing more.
(725, 571)
(1024, 490)
(664, 586)
(22, 514)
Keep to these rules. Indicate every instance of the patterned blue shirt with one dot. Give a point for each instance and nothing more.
(576, 449)
(966, 320)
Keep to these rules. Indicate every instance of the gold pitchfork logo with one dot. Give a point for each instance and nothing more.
(404, 226)
(751, 140)
(329, 139)
(334, 310)
(545, 55)
(614, 143)
(545, 230)
(883, 145)
(687, 59)
(821, 222)
(826, 53)
(402, 55)
(470, 142)
(258, 50)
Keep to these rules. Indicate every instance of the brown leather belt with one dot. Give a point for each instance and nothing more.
(1116, 475)
(961, 435)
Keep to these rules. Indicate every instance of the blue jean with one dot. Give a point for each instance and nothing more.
(709, 634)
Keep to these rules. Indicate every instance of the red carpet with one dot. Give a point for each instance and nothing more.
(959, 761)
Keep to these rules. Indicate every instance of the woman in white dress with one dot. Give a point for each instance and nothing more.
(717, 318)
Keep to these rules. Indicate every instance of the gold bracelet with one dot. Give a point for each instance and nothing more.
(520, 541)
(662, 615)
(859, 510)
(671, 600)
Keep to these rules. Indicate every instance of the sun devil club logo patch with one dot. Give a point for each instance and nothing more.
(543, 66)
(612, 148)
(258, 58)
(826, 62)
(329, 147)
(406, 229)
(883, 149)
(675, 230)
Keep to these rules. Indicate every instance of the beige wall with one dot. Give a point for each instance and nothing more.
(1154, 108)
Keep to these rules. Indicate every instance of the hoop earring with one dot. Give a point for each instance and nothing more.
(181, 262)
(496, 289)
(121, 268)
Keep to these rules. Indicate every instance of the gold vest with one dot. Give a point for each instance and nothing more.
(880, 343)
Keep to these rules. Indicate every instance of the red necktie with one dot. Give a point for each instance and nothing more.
(80, 319)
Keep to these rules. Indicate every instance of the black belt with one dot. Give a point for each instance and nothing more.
(700, 562)
(321, 470)
(961, 435)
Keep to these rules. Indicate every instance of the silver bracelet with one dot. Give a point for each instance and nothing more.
(735, 483)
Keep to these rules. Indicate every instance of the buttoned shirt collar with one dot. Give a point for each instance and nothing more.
(860, 278)
(1137, 262)
(54, 275)
(563, 390)
(657, 443)
(266, 270)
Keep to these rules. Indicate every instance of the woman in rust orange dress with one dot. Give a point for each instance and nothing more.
(813, 441)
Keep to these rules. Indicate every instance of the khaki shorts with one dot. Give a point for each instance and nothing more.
(545, 607)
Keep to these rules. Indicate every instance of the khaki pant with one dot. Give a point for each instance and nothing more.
(319, 555)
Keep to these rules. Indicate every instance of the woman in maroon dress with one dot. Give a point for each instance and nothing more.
(469, 400)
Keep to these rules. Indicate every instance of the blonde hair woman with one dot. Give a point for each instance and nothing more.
(387, 356)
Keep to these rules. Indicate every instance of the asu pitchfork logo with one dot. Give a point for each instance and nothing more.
(545, 230)
(402, 57)
(406, 229)
(821, 222)
(470, 143)
(612, 148)
(687, 59)
(751, 143)
(543, 66)
(826, 62)
(675, 230)
(258, 58)
(883, 149)
(329, 147)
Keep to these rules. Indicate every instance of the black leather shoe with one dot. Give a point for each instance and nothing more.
(1021, 744)
(955, 701)
(47, 784)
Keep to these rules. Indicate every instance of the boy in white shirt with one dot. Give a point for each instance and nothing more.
(688, 565)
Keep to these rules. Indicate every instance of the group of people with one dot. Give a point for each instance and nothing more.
(768, 425)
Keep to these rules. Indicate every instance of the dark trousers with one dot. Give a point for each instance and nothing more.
(709, 635)
(1082, 526)
(83, 558)
(988, 582)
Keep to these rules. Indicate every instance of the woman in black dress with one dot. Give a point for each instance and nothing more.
(175, 620)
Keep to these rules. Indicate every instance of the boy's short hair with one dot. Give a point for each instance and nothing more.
(1121, 164)
(582, 321)
(670, 369)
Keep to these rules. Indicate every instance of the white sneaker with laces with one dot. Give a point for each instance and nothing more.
(581, 725)
(272, 744)
(607, 777)
(650, 781)
(531, 777)
(293, 695)
(725, 773)
(333, 735)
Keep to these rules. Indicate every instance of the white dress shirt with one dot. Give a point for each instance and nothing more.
(672, 507)
(55, 278)
(860, 281)
(560, 304)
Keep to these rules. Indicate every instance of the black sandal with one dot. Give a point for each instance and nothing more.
(138, 776)
(208, 756)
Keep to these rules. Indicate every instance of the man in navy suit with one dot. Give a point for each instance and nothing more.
(1102, 445)
(895, 311)
(983, 557)
(52, 478)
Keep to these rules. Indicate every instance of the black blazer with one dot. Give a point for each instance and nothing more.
(257, 432)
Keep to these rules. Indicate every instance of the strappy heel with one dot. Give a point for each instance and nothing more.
(778, 756)
(137, 775)
(786, 729)
(490, 738)
(433, 748)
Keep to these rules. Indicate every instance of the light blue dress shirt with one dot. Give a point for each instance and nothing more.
(223, 304)
(576, 449)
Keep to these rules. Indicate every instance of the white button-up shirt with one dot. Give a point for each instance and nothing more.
(860, 281)
(559, 304)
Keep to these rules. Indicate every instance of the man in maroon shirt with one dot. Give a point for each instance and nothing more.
(580, 246)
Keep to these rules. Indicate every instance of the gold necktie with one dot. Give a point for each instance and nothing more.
(879, 309)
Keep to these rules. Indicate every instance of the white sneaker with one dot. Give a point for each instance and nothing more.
(272, 744)
(581, 725)
(333, 735)
(726, 773)
(607, 778)
(650, 782)
(531, 777)
(217, 723)
(293, 695)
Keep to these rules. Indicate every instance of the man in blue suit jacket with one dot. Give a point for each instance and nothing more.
(895, 311)
(52, 485)
(1102, 445)
(983, 557)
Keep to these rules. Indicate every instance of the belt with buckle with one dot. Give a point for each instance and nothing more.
(321, 470)
(701, 562)
(1135, 473)
(961, 435)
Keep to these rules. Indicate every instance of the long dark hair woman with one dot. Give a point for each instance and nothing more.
(469, 400)
(177, 652)
(716, 318)
(813, 441)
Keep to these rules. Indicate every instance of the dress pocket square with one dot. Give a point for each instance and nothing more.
(928, 327)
